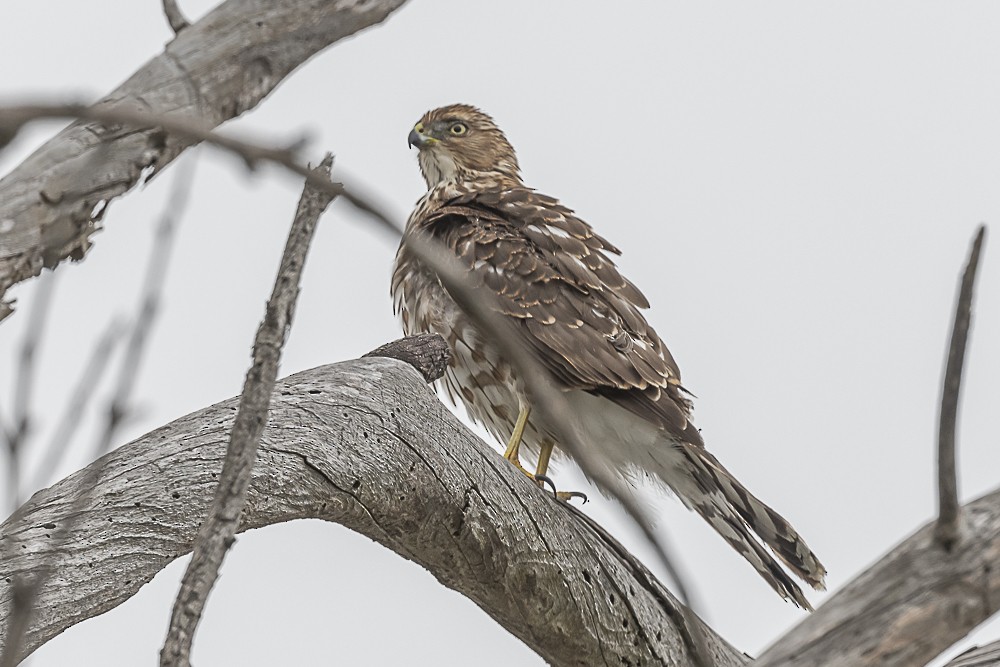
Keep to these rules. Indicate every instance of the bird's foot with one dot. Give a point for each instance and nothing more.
(515, 461)
(564, 496)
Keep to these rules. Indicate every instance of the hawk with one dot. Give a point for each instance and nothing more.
(554, 280)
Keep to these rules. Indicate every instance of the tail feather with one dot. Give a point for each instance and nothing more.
(734, 512)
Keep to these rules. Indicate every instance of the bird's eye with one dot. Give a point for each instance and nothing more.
(459, 129)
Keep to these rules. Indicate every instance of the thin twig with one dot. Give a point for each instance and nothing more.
(152, 292)
(547, 398)
(251, 153)
(24, 386)
(26, 587)
(174, 16)
(217, 532)
(946, 531)
(551, 403)
(82, 393)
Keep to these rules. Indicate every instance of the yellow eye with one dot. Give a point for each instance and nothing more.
(458, 129)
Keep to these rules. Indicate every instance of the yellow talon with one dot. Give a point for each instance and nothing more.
(544, 454)
(514, 444)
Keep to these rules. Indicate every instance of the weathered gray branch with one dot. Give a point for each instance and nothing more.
(949, 516)
(217, 531)
(175, 17)
(214, 70)
(908, 607)
(366, 444)
(980, 656)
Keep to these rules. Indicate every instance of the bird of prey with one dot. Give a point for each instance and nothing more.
(552, 278)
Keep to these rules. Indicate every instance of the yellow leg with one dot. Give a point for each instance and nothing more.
(514, 444)
(543, 466)
(543, 458)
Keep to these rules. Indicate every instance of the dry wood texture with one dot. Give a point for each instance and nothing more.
(366, 444)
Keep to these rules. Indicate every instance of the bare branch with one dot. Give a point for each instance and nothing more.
(214, 70)
(908, 607)
(250, 152)
(27, 584)
(948, 524)
(19, 431)
(149, 306)
(366, 444)
(82, 394)
(553, 404)
(980, 656)
(174, 16)
(550, 401)
(428, 353)
(216, 533)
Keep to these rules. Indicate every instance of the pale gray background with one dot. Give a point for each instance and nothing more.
(794, 185)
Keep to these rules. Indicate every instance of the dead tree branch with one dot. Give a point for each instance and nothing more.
(908, 607)
(218, 530)
(551, 402)
(252, 153)
(28, 584)
(365, 444)
(949, 520)
(980, 656)
(18, 432)
(216, 69)
(175, 17)
(932, 589)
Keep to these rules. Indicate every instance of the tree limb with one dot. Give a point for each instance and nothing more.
(175, 17)
(217, 531)
(908, 607)
(117, 411)
(214, 70)
(948, 524)
(980, 656)
(366, 444)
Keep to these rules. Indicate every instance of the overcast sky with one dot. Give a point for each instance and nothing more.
(794, 186)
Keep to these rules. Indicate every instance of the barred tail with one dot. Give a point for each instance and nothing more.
(733, 512)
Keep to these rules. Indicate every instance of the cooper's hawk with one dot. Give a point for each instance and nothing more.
(553, 279)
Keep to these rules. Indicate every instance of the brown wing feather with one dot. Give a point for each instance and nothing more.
(552, 275)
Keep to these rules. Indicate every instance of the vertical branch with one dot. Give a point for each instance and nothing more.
(24, 386)
(77, 406)
(152, 291)
(174, 16)
(947, 527)
(217, 532)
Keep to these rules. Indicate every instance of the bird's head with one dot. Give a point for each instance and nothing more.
(460, 142)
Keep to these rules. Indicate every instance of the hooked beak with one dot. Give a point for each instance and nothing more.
(414, 139)
(418, 138)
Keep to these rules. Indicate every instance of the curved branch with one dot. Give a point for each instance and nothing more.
(979, 656)
(908, 607)
(949, 517)
(216, 534)
(215, 69)
(366, 444)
